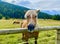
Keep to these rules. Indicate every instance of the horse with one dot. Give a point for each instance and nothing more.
(30, 22)
(16, 22)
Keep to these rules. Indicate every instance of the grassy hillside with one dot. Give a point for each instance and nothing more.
(41, 22)
(8, 24)
(45, 37)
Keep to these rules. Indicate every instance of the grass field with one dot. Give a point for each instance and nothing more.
(45, 37)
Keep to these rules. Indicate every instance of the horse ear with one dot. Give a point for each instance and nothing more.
(38, 11)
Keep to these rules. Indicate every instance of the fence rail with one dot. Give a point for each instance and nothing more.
(21, 30)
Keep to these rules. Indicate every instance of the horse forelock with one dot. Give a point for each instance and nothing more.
(30, 12)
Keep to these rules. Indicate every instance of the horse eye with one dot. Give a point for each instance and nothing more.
(27, 16)
(35, 16)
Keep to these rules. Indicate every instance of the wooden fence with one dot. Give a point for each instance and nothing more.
(21, 30)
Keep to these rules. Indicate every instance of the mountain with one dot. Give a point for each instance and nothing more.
(8, 10)
(52, 12)
(12, 11)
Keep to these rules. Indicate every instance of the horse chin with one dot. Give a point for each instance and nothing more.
(31, 31)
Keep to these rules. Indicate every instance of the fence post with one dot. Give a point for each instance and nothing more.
(58, 36)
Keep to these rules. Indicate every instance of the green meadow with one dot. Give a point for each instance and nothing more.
(45, 37)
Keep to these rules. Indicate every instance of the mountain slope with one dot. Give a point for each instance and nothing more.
(52, 12)
(10, 10)
(13, 11)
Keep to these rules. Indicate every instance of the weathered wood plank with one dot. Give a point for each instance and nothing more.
(58, 36)
(12, 31)
(58, 42)
(21, 30)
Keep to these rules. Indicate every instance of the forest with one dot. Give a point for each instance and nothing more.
(8, 11)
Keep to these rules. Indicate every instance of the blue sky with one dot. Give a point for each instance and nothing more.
(37, 4)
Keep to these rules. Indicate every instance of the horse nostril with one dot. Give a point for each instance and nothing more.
(31, 27)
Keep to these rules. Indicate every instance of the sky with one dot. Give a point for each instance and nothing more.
(37, 4)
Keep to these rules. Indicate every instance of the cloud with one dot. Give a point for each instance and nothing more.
(47, 5)
(7, 1)
(24, 3)
(39, 4)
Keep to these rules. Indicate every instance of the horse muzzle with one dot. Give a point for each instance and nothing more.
(31, 27)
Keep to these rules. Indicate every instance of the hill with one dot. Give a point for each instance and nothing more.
(51, 12)
(12, 11)
(8, 11)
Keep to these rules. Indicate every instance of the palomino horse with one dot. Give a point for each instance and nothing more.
(30, 23)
